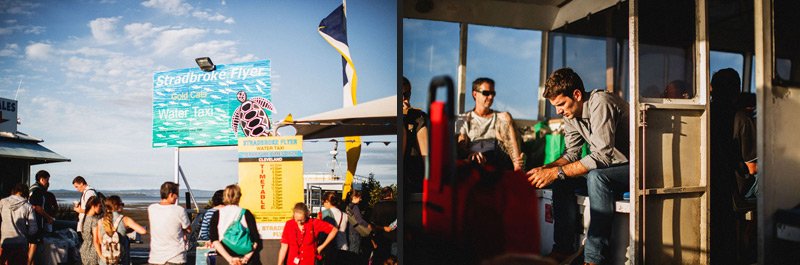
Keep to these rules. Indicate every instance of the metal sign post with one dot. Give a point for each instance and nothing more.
(177, 172)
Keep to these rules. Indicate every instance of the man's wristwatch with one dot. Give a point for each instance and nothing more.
(561, 174)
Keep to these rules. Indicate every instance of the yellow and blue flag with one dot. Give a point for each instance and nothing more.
(333, 29)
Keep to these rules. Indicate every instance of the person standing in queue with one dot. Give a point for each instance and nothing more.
(43, 209)
(89, 249)
(169, 227)
(87, 192)
(240, 248)
(299, 238)
(382, 216)
(18, 226)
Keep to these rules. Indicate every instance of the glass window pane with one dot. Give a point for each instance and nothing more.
(722, 60)
(663, 72)
(584, 54)
(511, 57)
(666, 40)
(783, 68)
(786, 38)
(430, 48)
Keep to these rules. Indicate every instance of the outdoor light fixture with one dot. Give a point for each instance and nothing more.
(205, 64)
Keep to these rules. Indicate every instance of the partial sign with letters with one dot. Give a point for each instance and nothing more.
(8, 115)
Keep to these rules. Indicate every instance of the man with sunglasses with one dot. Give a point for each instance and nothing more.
(601, 120)
(486, 136)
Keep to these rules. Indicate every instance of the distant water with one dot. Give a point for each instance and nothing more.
(132, 199)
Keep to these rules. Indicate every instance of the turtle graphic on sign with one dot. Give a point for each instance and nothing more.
(251, 116)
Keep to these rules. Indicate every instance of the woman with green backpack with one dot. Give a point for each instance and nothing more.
(233, 230)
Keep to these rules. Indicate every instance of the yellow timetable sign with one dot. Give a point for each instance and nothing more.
(271, 179)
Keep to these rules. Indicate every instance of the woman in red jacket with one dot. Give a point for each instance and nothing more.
(299, 239)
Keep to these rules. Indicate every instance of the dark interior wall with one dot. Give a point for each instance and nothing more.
(12, 171)
(731, 26)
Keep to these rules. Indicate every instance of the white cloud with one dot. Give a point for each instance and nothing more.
(175, 7)
(245, 58)
(80, 65)
(221, 31)
(103, 29)
(216, 17)
(34, 30)
(176, 39)
(139, 32)
(89, 51)
(39, 51)
(181, 8)
(17, 7)
(222, 51)
(10, 50)
(11, 21)
(27, 29)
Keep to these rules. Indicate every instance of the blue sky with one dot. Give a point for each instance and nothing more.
(87, 67)
(512, 57)
(509, 56)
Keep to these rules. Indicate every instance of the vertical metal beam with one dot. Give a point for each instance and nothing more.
(763, 56)
(177, 175)
(748, 72)
(702, 51)
(635, 222)
(611, 58)
(462, 66)
(543, 65)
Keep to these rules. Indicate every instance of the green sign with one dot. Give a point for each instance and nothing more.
(195, 108)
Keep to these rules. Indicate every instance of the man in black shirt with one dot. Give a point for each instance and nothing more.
(383, 214)
(43, 208)
(415, 143)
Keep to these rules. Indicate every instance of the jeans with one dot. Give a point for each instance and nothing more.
(602, 186)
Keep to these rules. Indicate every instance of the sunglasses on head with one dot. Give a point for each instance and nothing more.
(486, 93)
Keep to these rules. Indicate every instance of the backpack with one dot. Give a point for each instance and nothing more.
(110, 244)
(237, 237)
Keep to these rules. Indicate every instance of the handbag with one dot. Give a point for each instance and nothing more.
(363, 231)
(237, 237)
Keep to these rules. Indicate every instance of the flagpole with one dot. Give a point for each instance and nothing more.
(333, 29)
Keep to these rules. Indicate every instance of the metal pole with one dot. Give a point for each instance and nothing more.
(462, 67)
(176, 177)
(189, 188)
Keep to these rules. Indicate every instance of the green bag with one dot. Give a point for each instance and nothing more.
(237, 237)
(553, 148)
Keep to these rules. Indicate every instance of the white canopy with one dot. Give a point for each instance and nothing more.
(377, 117)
